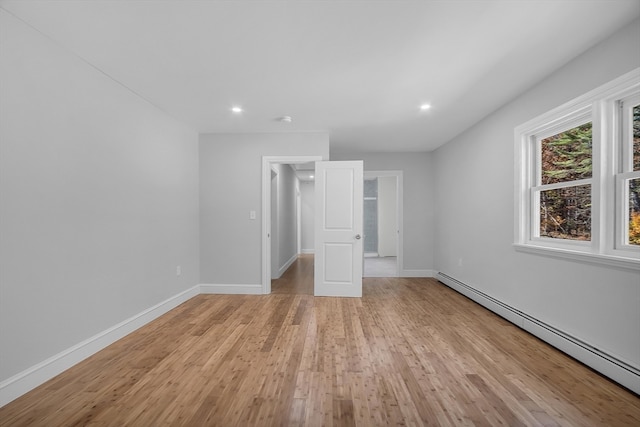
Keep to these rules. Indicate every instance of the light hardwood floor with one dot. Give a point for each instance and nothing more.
(409, 352)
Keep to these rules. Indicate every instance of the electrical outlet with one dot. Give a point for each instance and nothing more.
(178, 271)
(252, 214)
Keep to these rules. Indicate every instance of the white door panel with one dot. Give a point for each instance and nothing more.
(338, 259)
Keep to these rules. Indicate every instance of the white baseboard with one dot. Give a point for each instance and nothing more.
(208, 288)
(418, 273)
(308, 251)
(21, 383)
(621, 371)
(287, 265)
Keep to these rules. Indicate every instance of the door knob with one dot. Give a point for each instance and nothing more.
(358, 237)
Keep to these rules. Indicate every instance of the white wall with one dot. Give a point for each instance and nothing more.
(418, 248)
(307, 195)
(98, 201)
(231, 186)
(275, 205)
(474, 202)
(287, 221)
(387, 216)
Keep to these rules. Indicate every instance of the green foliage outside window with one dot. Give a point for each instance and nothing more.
(566, 213)
(567, 155)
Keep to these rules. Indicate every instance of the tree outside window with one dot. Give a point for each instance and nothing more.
(565, 213)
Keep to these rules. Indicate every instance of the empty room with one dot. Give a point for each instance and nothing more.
(322, 212)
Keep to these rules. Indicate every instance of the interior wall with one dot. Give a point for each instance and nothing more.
(387, 216)
(307, 195)
(418, 209)
(275, 206)
(230, 187)
(98, 201)
(474, 205)
(287, 221)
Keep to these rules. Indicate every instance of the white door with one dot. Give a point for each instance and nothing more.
(338, 219)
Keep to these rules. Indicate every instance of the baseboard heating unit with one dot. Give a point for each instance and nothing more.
(608, 365)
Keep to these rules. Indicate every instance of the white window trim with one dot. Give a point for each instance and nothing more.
(600, 104)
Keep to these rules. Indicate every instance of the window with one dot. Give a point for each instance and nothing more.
(578, 177)
(563, 187)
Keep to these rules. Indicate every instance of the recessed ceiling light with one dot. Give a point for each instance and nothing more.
(236, 109)
(311, 176)
(286, 119)
(425, 107)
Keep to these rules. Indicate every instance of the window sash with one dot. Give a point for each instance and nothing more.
(534, 214)
(557, 185)
(622, 217)
(578, 118)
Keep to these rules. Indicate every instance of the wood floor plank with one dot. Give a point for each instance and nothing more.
(409, 352)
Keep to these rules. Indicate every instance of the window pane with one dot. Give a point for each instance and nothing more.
(567, 155)
(634, 211)
(636, 138)
(565, 213)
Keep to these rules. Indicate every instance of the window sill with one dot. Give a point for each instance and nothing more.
(609, 260)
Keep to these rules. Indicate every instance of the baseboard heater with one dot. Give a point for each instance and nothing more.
(610, 366)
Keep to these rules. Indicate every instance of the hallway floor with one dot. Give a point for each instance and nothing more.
(380, 266)
(298, 279)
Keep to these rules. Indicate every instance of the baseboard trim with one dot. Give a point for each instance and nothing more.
(209, 288)
(418, 273)
(613, 367)
(308, 251)
(27, 380)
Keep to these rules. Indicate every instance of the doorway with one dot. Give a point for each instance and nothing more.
(274, 222)
(268, 164)
(383, 223)
(293, 276)
(338, 268)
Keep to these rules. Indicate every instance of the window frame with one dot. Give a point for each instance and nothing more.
(601, 106)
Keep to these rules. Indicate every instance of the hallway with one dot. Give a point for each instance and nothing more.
(298, 279)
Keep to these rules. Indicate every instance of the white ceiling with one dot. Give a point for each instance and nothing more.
(358, 69)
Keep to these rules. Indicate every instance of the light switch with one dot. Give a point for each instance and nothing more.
(252, 214)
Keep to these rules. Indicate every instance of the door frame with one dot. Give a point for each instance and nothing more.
(267, 162)
(399, 211)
